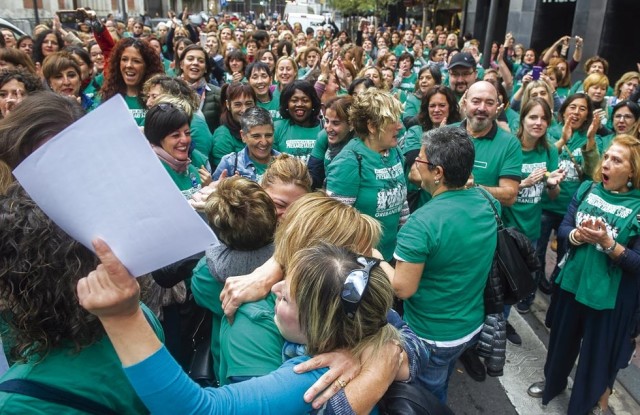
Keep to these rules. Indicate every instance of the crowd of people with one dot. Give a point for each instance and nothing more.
(352, 185)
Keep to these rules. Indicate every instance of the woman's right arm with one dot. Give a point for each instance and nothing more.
(251, 287)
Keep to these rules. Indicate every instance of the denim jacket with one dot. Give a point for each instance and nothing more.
(240, 163)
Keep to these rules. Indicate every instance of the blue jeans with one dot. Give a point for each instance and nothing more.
(442, 361)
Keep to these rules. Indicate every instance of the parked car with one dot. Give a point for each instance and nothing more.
(5, 24)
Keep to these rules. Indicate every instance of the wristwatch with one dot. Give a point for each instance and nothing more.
(611, 248)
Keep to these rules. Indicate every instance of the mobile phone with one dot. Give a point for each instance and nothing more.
(203, 39)
(535, 74)
(67, 16)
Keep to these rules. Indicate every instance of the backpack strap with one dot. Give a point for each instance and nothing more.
(55, 395)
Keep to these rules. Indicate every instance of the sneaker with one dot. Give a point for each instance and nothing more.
(523, 308)
(536, 390)
(513, 336)
(596, 410)
(473, 365)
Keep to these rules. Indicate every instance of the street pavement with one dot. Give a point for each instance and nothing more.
(507, 395)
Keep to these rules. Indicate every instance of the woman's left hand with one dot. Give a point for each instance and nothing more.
(343, 367)
(594, 126)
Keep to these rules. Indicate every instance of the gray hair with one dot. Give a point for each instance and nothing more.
(452, 149)
(253, 117)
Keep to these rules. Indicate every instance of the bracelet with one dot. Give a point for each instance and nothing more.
(611, 248)
(573, 240)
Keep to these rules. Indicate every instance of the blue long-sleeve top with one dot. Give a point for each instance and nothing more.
(165, 389)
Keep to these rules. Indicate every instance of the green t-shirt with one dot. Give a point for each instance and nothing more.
(375, 185)
(513, 119)
(272, 106)
(137, 110)
(322, 144)
(224, 143)
(456, 245)
(294, 139)
(571, 182)
(198, 159)
(603, 143)
(411, 106)
(95, 372)
(201, 136)
(252, 345)
(526, 213)
(589, 273)
(188, 181)
(408, 84)
(498, 155)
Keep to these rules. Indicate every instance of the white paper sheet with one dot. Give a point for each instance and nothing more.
(100, 178)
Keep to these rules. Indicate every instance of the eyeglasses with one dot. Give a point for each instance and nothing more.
(428, 163)
(355, 285)
(624, 117)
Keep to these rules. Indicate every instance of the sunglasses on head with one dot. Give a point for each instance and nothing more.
(355, 286)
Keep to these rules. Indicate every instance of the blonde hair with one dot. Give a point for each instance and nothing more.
(178, 102)
(288, 170)
(376, 108)
(316, 217)
(633, 145)
(242, 214)
(293, 63)
(595, 79)
(526, 95)
(316, 279)
(626, 77)
(6, 178)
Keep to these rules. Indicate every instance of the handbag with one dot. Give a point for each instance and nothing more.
(409, 399)
(516, 260)
(201, 361)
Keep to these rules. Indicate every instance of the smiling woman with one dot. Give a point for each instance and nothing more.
(132, 62)
(296, 133)
(257, 135)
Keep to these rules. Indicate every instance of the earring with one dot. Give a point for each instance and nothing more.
(436, 182)
(629, 184)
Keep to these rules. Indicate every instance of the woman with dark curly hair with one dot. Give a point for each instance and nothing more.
(298, 129)
(132, 62)
(46, 43)
(52, 340)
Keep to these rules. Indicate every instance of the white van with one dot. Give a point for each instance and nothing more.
(315, 21)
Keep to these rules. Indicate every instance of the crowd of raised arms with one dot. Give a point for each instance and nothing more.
(352, 184)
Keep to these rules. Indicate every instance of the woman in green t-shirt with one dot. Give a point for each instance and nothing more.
(169, 133)
(540, 175)
(443, 290)
(131, 63)
(296, 132)
(595, 311)
(369, 171)
(49, 338)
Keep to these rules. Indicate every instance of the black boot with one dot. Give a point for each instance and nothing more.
(473, 365)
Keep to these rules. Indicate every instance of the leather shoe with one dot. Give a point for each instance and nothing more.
(473, 365)
(545, 286)
(513, 336)
(536, 390)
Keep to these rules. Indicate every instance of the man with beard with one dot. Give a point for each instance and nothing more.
(498, 161)
(462, 73)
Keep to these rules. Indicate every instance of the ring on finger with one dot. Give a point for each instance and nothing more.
(341, 383)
